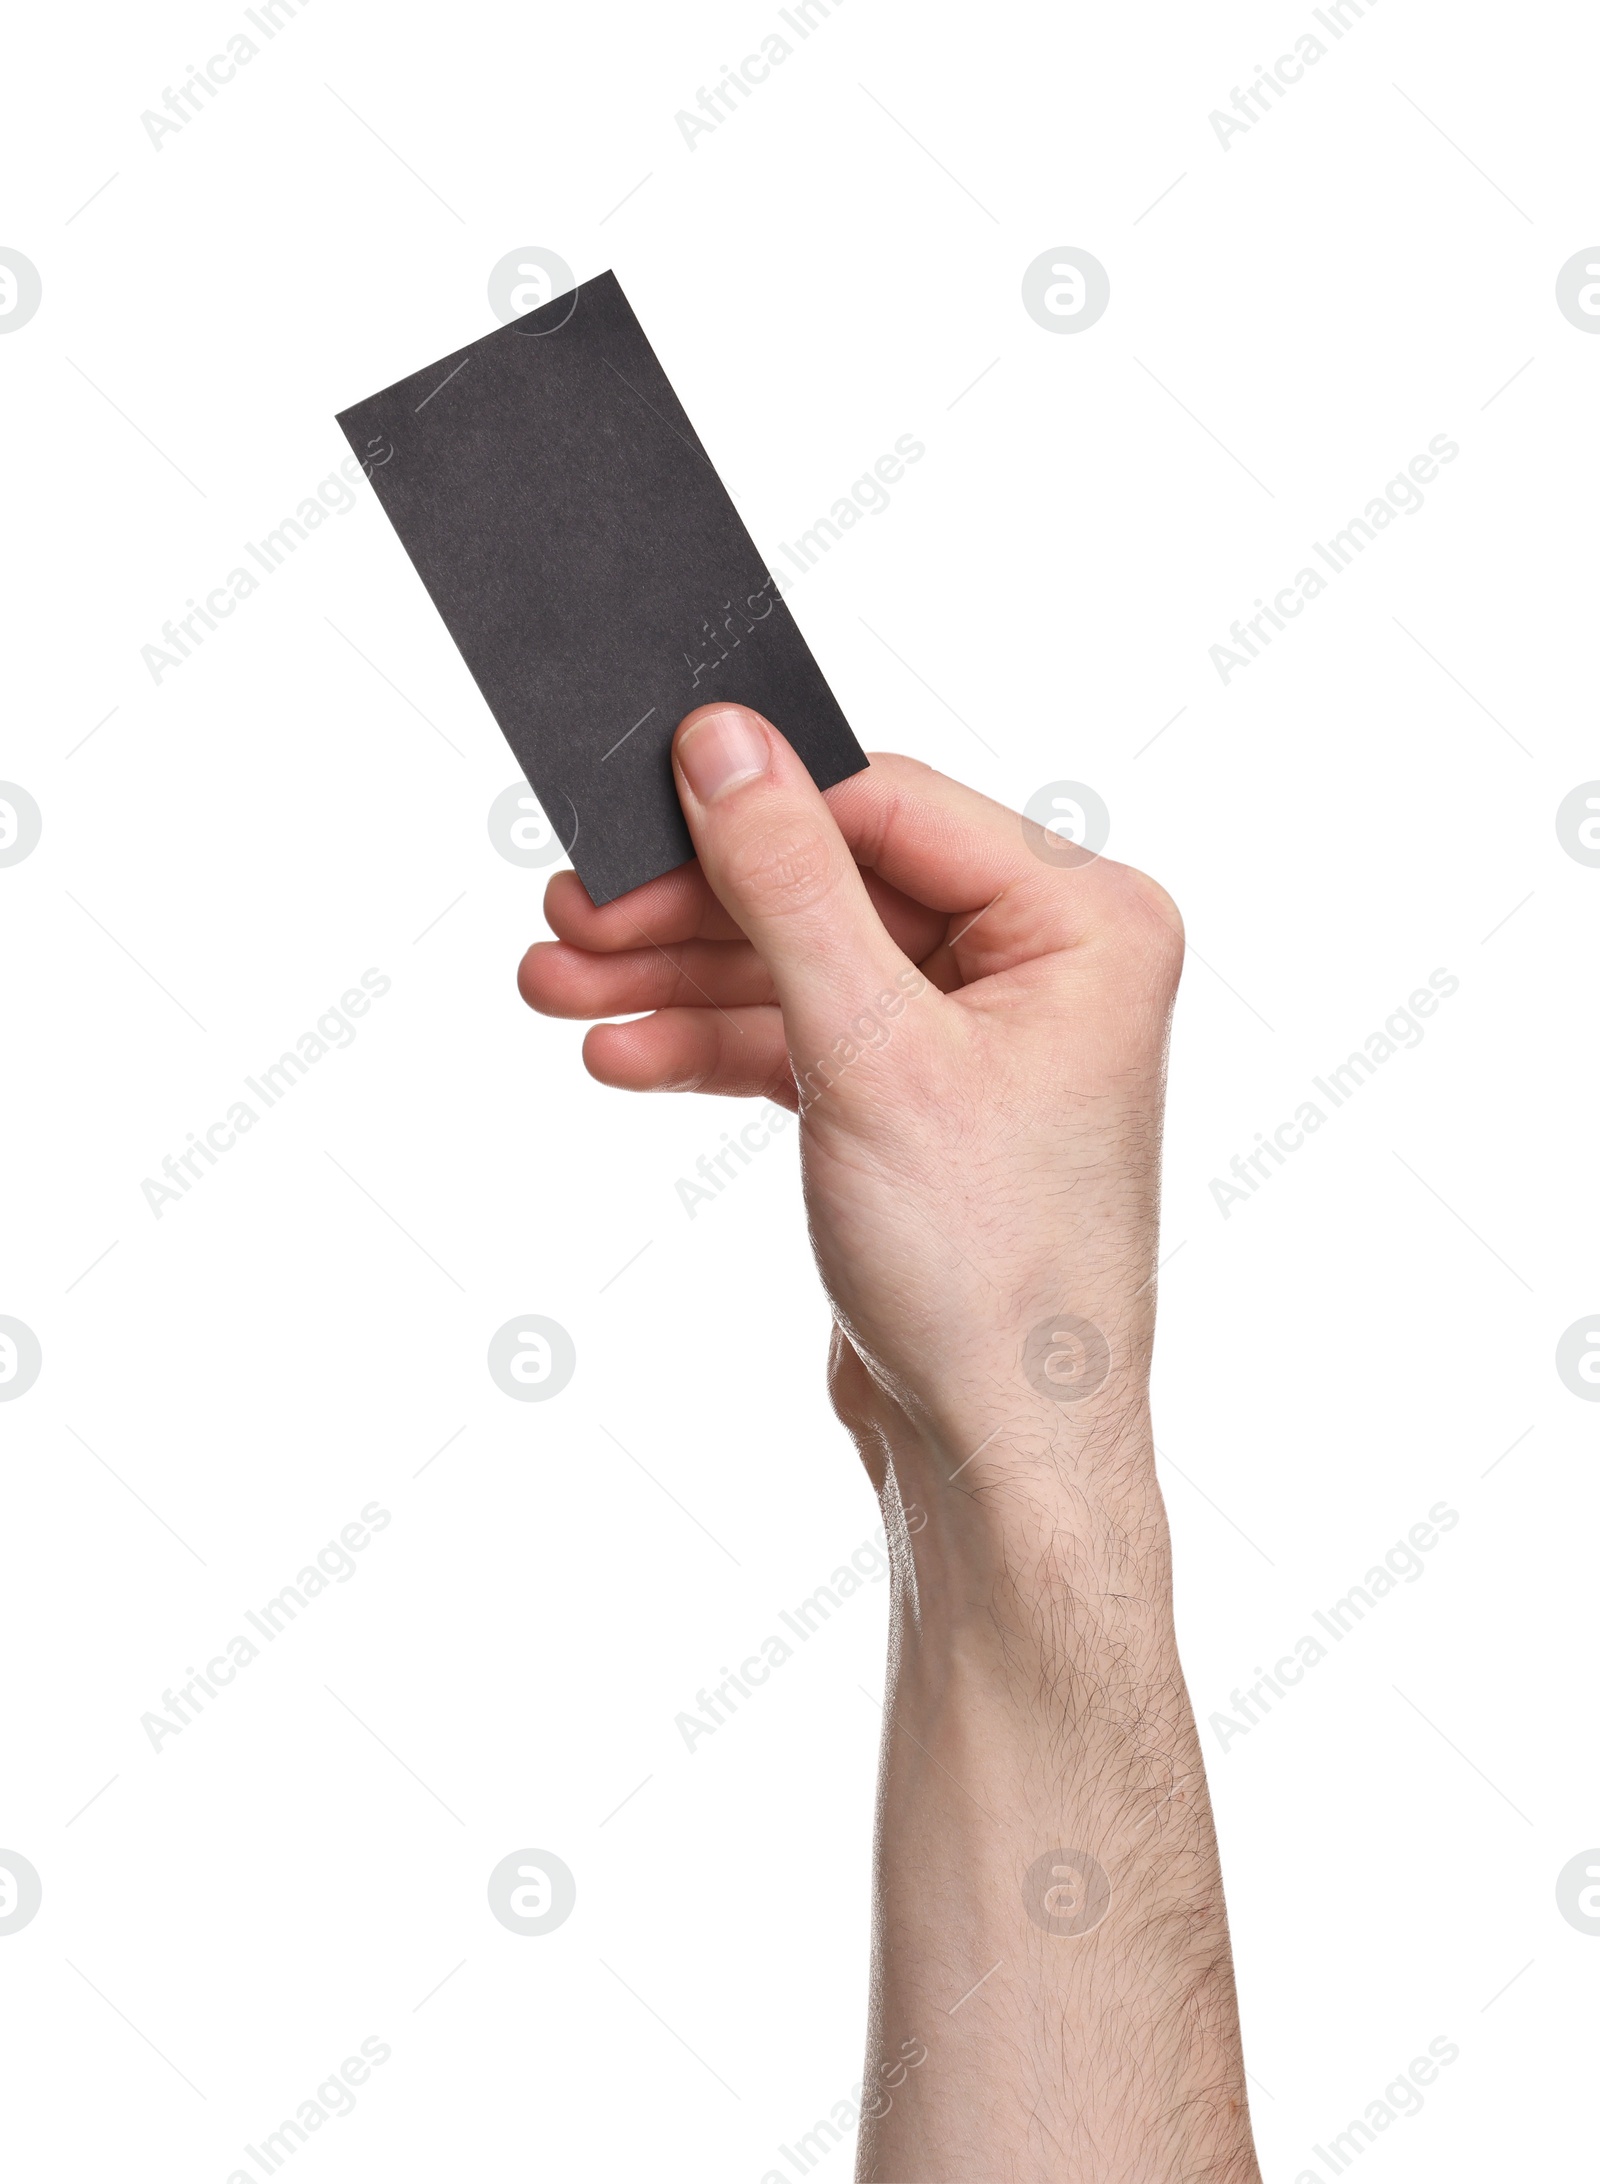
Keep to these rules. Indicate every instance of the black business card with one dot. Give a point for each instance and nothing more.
(595, 576)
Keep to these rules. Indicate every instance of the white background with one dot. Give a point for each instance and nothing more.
(223, 854)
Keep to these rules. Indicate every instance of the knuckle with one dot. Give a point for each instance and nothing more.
(782, 870)
(1127, 917)
(1152, 903)
(1150, 923)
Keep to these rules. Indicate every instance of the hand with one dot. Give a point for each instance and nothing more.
(971, 1017)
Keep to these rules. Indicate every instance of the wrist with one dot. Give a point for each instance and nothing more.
(1060, 1381)
(1034, 1533)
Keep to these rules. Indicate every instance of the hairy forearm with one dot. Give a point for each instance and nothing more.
(1051, 1943)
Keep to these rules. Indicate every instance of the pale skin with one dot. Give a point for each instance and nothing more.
(974, 1032)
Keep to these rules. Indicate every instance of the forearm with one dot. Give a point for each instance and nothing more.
(1050, 1922)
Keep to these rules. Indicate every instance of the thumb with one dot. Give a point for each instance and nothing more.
(775, 859)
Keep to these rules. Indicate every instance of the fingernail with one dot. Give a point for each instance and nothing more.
(721, 751)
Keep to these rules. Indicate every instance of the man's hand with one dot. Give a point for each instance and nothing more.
(971, 1017)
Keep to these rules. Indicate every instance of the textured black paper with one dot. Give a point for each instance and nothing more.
(594, 574)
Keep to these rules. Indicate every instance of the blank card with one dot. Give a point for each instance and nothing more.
(567, 523)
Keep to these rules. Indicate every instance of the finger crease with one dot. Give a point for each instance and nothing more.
(699, 989)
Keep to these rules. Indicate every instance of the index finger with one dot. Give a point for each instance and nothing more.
(680, 906)
(960, 852)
